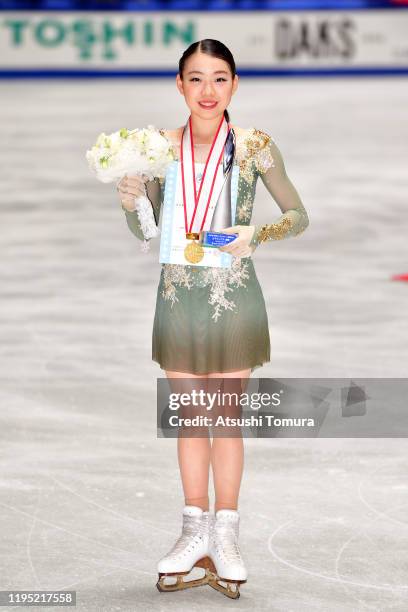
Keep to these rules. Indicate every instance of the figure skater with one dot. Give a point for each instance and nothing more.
(211, 323)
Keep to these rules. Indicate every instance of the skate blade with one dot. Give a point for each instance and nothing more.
(230, 588)
(233, 593)
(180, 583)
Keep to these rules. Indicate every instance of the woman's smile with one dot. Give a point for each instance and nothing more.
(208, 104)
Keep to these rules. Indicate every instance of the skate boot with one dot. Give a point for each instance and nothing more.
(189, 551)
(225, 554)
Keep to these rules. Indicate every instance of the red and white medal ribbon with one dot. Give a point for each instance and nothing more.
(197, 202)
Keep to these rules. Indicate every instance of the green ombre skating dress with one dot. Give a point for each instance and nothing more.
(214, 319)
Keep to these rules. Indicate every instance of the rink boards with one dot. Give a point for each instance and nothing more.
(264, 43)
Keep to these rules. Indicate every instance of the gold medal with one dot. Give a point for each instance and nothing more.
(194, 252)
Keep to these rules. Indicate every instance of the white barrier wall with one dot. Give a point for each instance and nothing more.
(140, 42)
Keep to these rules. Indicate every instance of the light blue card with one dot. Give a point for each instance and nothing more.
(170, 252)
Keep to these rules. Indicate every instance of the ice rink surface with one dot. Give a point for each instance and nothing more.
(90, 499)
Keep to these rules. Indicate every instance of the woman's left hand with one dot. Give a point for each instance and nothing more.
(239, 247)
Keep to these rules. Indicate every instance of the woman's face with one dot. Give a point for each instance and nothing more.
(207, 79)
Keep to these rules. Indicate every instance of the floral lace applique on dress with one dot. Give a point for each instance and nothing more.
(175, 274)
(221, 280)
(244, 210)
(275, 231)
(253, 152)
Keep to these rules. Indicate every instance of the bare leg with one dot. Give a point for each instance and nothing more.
(227, 454)
(193, 452)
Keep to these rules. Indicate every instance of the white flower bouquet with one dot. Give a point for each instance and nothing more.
(135, 152)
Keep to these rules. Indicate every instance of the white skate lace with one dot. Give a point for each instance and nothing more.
(192, 527)
(226, 539)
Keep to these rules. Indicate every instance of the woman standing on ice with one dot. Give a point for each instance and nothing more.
(211, 322)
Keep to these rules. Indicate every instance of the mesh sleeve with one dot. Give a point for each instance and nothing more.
(270, 167)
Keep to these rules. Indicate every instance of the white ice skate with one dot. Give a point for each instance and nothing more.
(225, 554)
(189, 551)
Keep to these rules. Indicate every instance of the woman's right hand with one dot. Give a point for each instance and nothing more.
(129, 188)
